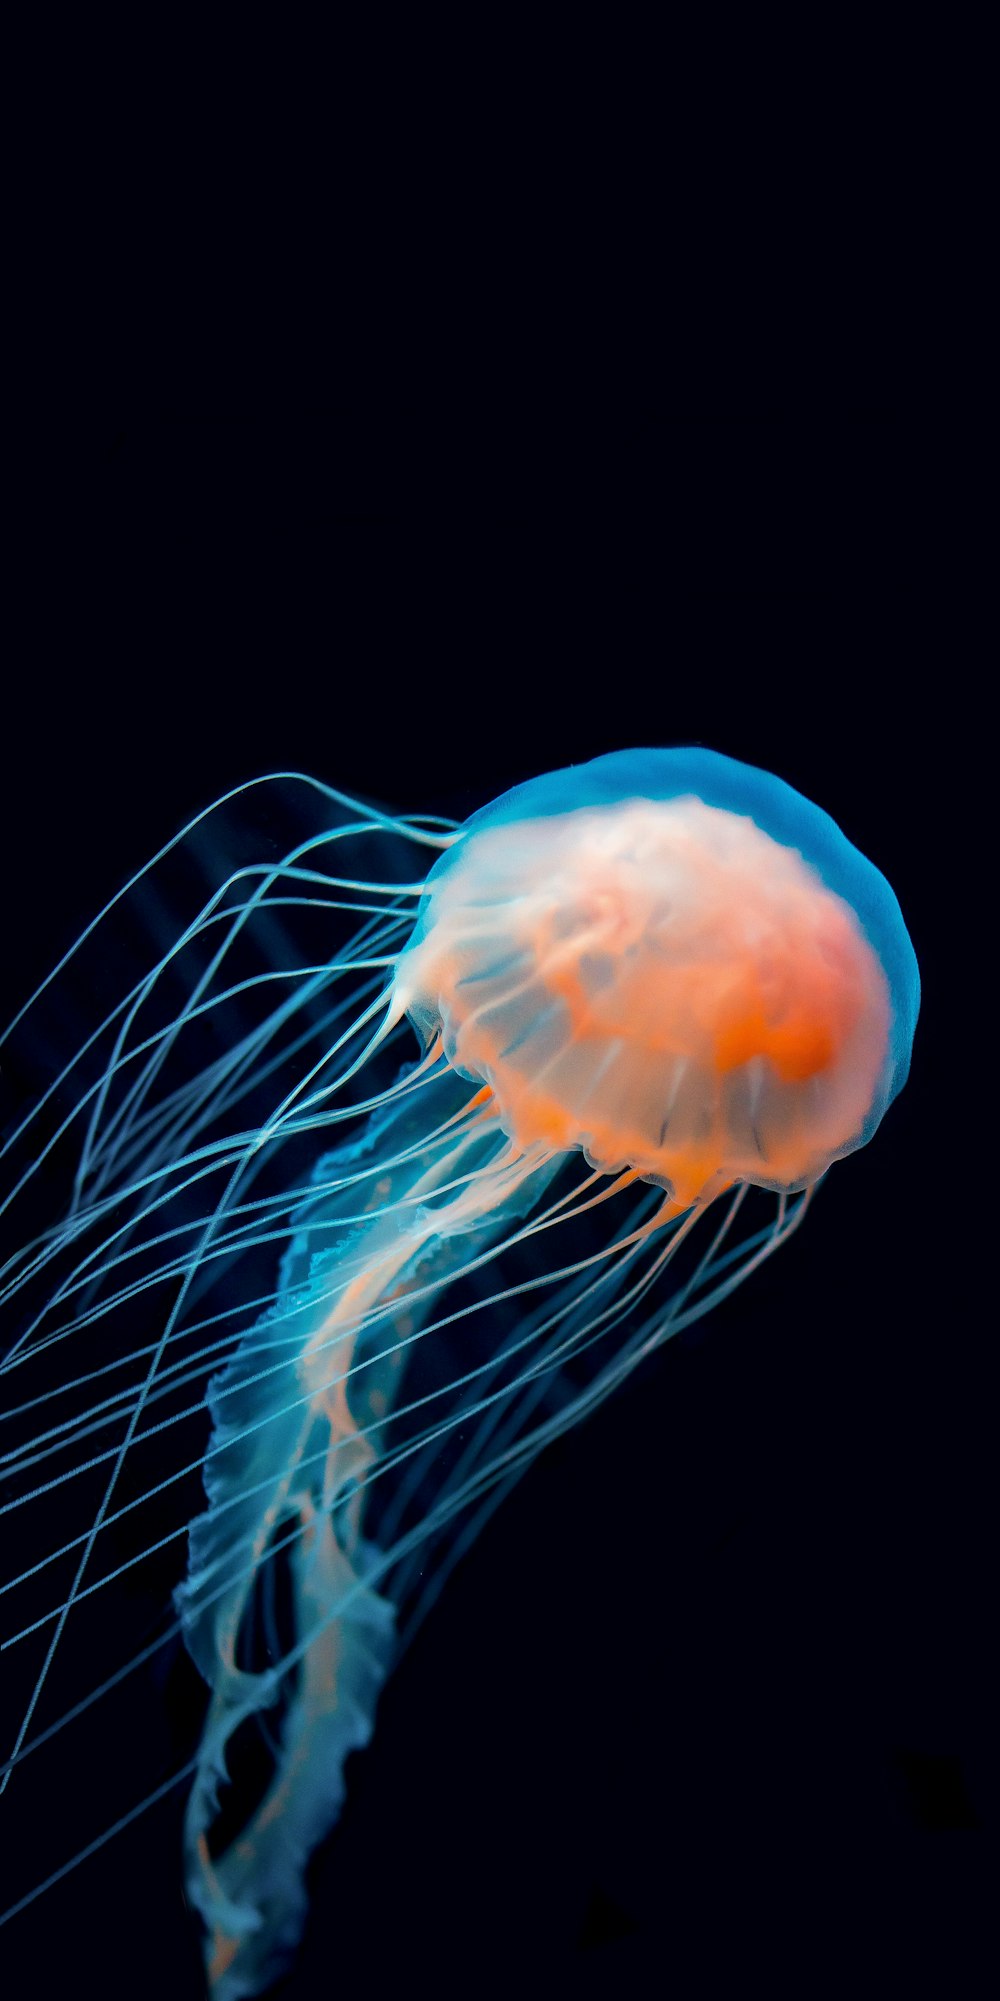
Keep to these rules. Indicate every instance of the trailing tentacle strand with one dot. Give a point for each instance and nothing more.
(298, 1442)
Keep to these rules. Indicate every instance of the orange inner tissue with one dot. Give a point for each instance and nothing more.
(660, 983)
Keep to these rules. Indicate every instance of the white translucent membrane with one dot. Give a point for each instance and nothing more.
(660, 982)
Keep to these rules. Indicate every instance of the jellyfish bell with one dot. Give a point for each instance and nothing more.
(673, 963)
(375, 1285)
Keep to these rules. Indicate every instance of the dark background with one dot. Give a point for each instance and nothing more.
(712, 1700)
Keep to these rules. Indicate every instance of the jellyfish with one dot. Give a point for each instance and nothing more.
(377, 1177)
